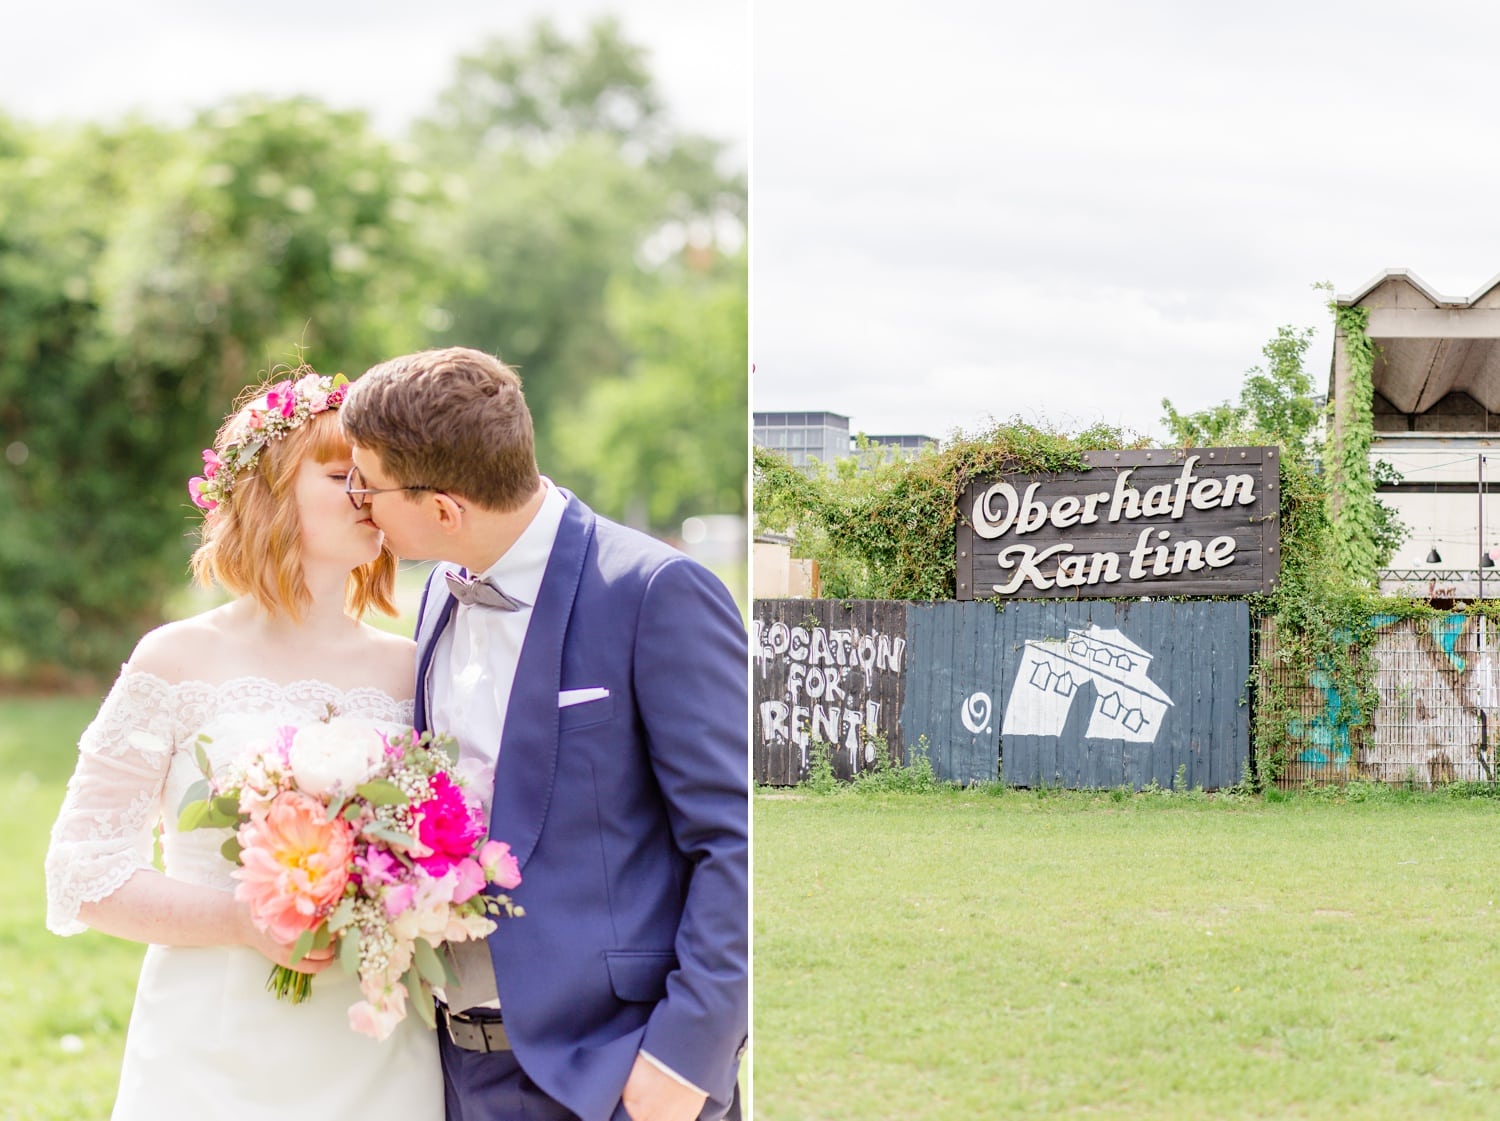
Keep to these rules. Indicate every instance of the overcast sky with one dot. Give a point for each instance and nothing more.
(86, 59)
(1069, 211)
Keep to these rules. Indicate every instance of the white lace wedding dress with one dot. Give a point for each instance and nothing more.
(206, 1040)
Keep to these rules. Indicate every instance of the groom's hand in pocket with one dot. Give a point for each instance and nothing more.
(653, 1095)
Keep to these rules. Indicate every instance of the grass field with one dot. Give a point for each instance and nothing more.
(64, 1003)
(991, 955)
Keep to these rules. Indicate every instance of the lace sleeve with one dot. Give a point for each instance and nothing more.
(102, 835)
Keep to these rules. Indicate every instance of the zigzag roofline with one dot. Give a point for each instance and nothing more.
(1349, 299)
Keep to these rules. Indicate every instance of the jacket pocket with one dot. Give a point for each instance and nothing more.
(640, 975)
(582, 715)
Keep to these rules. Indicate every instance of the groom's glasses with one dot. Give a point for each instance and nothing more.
(354, 487)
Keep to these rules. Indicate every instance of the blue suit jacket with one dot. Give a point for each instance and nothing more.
(629, 816)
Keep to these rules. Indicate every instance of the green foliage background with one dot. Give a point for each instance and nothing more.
(546, 210)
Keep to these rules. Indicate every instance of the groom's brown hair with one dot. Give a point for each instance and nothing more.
(452, 420)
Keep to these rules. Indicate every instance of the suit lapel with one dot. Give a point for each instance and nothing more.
(527, 766)
(443, 606)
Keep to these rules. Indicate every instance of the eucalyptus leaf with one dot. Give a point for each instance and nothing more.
(418, 993)
(198, 792)
(382, 793)
(349, 950)
(227, 804)
(428, 963)
(389, 834)
(341, 915)
(302, 946)
(192, 817)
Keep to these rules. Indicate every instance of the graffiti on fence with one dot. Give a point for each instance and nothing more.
(831, 679)
(1128, 705)
(1435, 680)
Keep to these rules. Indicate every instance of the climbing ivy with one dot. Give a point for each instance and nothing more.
(885, 530)
(1356, 517)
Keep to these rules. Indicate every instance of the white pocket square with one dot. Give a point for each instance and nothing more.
(578, 696)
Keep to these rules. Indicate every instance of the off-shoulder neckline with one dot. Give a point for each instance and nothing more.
(127, 670)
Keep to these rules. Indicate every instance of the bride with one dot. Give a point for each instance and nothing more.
(206, 1039)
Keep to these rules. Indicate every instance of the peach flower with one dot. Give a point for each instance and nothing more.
(294, 864)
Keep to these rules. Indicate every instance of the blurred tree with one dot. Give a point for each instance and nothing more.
(666, 438)
(570, 180)
(146, 276)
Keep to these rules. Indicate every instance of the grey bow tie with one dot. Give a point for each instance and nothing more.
(473, 591)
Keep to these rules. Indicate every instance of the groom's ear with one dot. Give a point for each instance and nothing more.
(450, 515)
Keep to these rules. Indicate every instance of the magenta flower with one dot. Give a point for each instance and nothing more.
(377, 866)
(211, 463)
(447, 825)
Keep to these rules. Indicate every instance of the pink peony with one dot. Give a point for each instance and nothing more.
(294, 864)
(500, 867)
(447, 826)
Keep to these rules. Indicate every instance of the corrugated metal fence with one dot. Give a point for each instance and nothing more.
(1087, 694)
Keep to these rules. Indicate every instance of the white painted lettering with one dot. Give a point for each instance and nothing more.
(1127, 499)
(1220, 552)
(1027, 562)
(1065, 511)
(1238, 488)
(1138, 555)
(1206, 494)
(1158, 501)
(1180, 494)
(1090, 501)
(1188, 554)
(987, 523)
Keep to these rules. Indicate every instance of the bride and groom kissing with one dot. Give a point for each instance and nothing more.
(595, 681)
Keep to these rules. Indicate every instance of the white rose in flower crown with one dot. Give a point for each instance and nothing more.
(336, 756)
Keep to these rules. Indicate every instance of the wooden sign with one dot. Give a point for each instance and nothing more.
(1160, 522)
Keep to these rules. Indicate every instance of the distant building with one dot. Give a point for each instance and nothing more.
(1436, 412)
(804, 437)
(825, 438)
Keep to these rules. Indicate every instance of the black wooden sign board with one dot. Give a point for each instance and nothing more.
(1157, 522)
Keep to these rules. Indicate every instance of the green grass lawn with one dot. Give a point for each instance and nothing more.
(973, 954)
(64, 1002)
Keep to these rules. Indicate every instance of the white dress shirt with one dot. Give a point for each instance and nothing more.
(474, 662)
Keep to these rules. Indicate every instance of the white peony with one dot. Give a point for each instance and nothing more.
(334, 758)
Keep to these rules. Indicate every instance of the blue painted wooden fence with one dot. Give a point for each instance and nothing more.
(1085, 695)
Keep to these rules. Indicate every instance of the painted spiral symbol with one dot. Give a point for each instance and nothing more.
(976, 713)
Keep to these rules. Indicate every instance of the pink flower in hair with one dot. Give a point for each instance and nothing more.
(256, 419)
(195, 492)
(211, 463)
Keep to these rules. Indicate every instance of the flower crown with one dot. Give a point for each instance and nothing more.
(283, 408)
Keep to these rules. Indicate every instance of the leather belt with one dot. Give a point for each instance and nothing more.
(474, 1033)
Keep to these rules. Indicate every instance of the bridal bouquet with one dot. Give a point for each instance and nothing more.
(347, 835)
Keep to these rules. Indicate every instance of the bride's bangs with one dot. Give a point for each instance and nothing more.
(324, 438)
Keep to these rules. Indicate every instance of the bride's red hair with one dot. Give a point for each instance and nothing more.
(252, 544)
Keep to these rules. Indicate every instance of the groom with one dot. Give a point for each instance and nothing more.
(596, 681)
